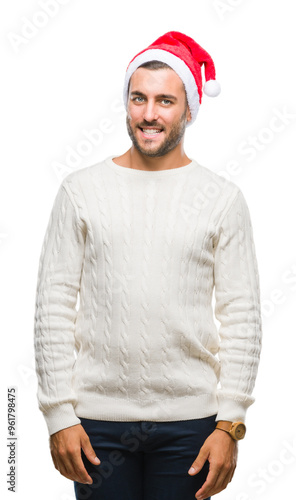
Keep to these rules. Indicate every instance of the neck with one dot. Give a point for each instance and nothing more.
(134, 159)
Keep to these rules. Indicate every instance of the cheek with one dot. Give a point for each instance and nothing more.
(134, 114)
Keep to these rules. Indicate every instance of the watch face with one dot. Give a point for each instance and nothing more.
(240, 431)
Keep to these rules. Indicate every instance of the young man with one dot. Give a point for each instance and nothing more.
(144, 238)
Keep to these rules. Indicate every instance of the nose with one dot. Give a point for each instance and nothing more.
(150, 111)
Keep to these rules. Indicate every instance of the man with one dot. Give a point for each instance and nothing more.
(144, 238)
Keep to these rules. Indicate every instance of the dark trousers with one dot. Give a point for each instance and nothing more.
(144, 460)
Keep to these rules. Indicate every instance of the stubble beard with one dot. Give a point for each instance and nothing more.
(172, 140)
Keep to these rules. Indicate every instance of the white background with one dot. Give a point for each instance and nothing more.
(64, 79)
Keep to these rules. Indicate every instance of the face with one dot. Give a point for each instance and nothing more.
(157, 111)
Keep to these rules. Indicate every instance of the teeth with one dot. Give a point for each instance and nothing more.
(151, 131)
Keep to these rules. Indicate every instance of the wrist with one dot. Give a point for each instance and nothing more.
(236, 430)
(223, 433)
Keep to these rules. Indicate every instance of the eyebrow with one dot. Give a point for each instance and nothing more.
(164, 96)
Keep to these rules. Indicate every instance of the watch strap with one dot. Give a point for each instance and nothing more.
(236, 430)
(224, 426)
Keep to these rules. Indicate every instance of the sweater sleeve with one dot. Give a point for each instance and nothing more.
(58, 284)
(238, 309)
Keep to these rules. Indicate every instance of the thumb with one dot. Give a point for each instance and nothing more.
(199, 461)
(89, 451)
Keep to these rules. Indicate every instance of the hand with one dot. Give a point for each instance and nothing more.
(65, 448)
(221, 452)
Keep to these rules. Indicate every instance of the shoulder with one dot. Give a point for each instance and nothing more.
(82, 175)
(79, 183)
(215, 187)
(209, 176)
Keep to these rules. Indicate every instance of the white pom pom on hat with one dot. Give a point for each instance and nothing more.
(185, 57)
(212, 88)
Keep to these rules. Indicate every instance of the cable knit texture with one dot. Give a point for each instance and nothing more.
(124, 320)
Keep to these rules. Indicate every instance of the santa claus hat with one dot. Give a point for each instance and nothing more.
(186, 58)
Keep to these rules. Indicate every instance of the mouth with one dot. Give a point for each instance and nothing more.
(150, 133)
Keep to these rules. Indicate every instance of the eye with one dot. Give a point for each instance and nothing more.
(167, 100)
(138, 97)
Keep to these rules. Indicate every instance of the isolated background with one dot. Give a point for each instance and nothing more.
(63, 81)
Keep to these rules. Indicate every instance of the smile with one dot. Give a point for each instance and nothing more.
(150, 133)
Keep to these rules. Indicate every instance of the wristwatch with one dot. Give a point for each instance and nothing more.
(237, 430)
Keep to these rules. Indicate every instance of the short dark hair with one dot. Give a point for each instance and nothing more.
(154, 64)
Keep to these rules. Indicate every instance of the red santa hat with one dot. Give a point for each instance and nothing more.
(186, 58)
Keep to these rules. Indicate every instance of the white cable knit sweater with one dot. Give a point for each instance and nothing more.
(123, 326)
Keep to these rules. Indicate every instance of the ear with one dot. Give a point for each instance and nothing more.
(188, 114)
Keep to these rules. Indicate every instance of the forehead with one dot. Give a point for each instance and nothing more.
(160, 80)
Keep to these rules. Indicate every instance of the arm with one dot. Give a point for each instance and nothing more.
(60, 267)
(58, 284)
(237, 295)
(238, 310)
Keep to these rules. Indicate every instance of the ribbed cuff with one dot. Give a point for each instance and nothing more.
(60, 417)
(232, 410)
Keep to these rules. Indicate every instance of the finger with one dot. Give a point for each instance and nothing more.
(80, 471)
(58, 456)
(60, 466)
(199, 462)
(55, 463)
(89, 451)
(232, 473)
(221, 483)
(226, 481)
(209, 484)
(67, 462)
